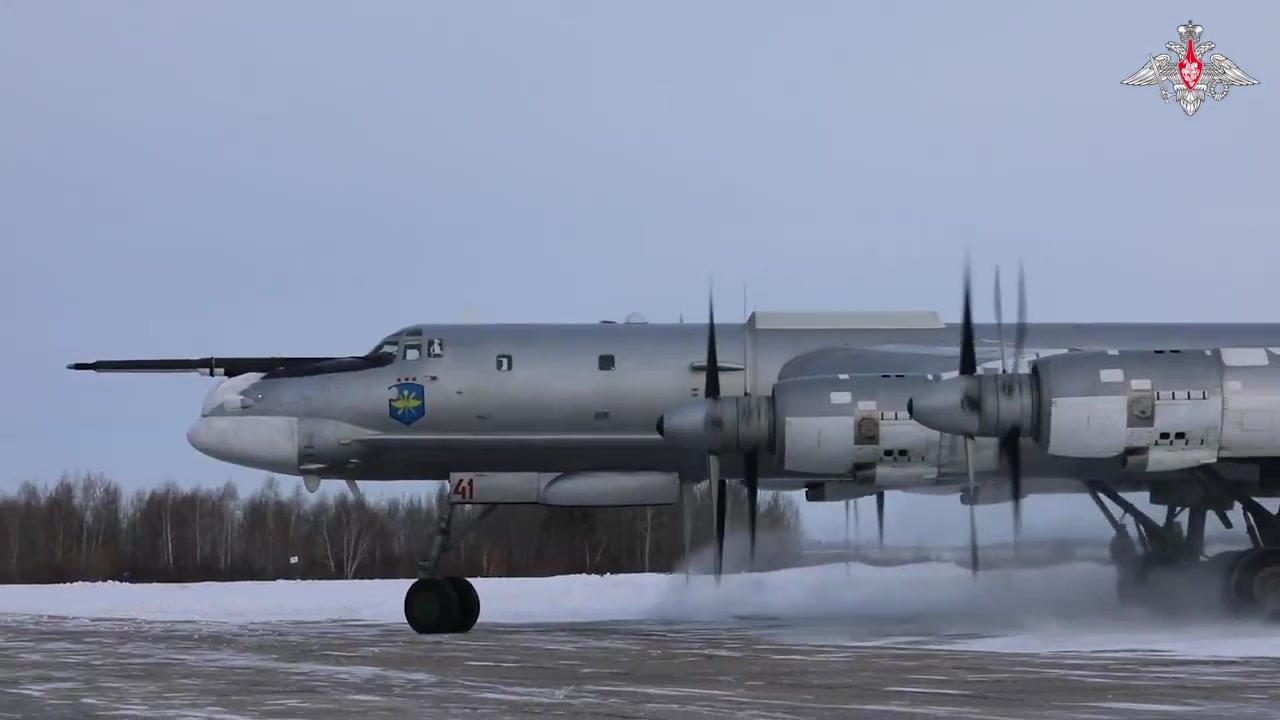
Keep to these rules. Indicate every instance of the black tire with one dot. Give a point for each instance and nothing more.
(468, 603)
(1244, 571)
(1221, 568)
(431, 606)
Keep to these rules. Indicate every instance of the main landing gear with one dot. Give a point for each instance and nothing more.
(438, 605)
(1167, 568)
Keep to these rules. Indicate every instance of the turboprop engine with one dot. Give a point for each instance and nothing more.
(855, 424)
(1155, 409)
(841, 425)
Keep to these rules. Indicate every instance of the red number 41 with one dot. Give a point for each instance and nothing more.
(465, 488)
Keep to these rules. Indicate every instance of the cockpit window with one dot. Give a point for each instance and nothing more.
(412, 350)
(409, 345)
(390, 346)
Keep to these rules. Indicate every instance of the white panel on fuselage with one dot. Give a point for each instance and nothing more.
(819, 444)
(1250, 422)
(1089, 426)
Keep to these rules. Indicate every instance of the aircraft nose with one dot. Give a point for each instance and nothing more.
(259, 442)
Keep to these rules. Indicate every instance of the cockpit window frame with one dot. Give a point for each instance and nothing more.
(411, 345)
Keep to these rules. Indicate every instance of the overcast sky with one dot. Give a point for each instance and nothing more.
(183, 179)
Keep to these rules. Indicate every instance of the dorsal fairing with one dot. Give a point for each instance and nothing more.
(873, 361)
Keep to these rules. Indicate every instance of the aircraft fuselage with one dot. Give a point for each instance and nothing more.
(567, 397)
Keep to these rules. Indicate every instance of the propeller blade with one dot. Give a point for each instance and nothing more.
(751, 473)
(968, 353)
(969, 451)
(718, 484)
(711, 394)
(750, 461)
(880, 516)
(1014, 450)
(1020, 332)
(1015, 478)
(1011, 447)
(721, 509)
(1000, 321)
(712, 390)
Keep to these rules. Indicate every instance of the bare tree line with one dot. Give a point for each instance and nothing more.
(85, 528)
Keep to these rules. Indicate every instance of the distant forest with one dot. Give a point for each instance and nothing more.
(87, 528)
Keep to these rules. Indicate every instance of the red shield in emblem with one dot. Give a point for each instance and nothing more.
(1190, 68)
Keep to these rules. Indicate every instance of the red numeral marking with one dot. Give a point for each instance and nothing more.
(465, 488)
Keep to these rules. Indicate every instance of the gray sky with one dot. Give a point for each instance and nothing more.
(278, 178)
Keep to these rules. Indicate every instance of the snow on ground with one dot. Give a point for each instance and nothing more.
(1066, 607)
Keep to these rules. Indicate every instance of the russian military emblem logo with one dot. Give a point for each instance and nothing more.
(1190, 77)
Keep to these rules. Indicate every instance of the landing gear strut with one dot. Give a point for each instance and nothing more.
(437, 605)
(1167, 566)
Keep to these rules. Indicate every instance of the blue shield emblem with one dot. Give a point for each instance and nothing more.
(408, 402)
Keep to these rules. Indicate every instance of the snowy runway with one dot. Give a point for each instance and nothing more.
(817, 642)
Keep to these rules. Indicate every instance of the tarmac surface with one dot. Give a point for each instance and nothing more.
(68, 668)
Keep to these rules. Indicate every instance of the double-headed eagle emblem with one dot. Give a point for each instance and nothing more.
(1190, 76)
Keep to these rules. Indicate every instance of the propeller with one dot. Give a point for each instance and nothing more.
(880, 517)
(715, 425)
(1010, 444)
(711, 395)
(751, 460)
(1010, 440)
(846, 536)
(969, 368)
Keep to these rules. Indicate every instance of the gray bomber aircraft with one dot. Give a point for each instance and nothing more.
(839, 404)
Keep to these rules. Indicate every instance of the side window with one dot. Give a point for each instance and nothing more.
(435, 347)
(504, 363)
(605, 362)
(412, 350)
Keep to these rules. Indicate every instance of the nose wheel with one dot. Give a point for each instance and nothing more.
(435, 606)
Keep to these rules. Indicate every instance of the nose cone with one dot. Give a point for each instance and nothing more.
(686, 426)
(942, 407)
(263, 443)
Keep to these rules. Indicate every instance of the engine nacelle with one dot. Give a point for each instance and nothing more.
(855, 425)
(1157, 409)
(572, 489)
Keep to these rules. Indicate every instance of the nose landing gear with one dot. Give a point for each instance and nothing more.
(434, 606)
(438, 605)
